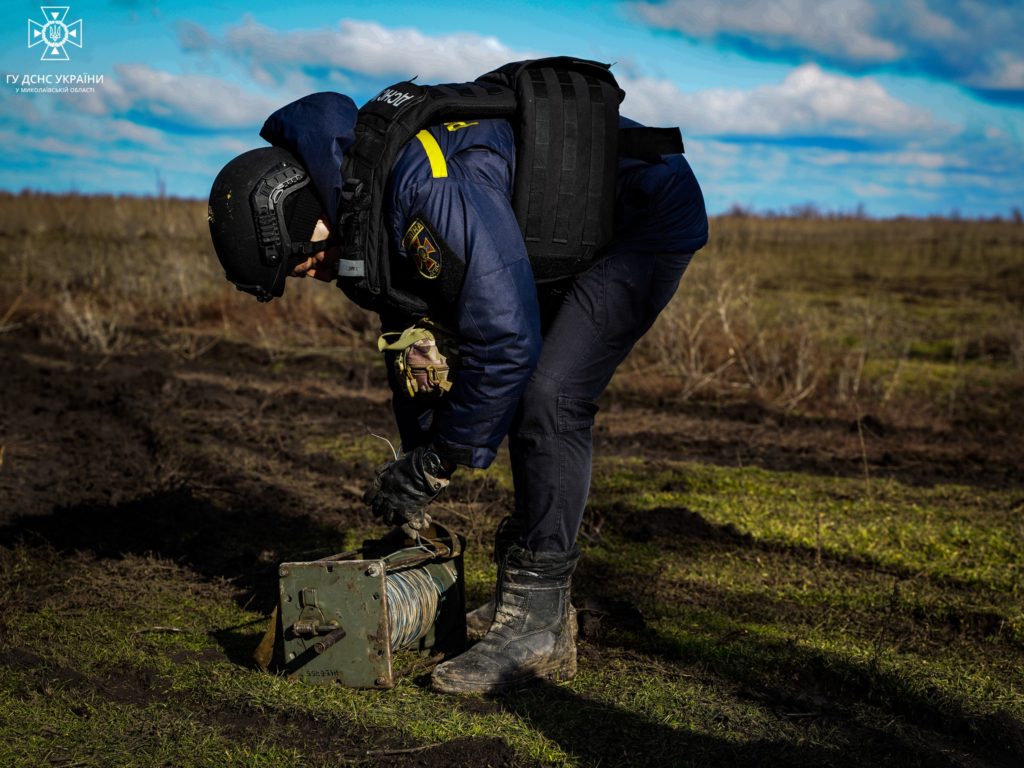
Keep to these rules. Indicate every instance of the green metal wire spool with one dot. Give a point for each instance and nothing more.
(342, 618)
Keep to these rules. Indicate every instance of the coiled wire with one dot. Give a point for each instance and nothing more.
(414, 603)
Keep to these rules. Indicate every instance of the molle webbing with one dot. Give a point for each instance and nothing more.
(567, 156)
(384, 126)
(564, 112)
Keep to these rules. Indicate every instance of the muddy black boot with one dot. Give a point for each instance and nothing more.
(532, 633)
(478, 621)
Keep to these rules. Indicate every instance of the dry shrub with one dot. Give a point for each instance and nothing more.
(95, 266)
(312, 313)
(1011, 333)
(1017, 348)
(82, 323)
(825, 315)
(714, 339)
(6, 323)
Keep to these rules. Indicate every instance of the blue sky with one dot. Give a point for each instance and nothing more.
(903, 108)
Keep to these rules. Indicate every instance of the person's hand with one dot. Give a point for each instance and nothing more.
(322, 265)
(402, 489)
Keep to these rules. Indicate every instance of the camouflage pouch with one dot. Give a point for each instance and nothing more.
(418, 363)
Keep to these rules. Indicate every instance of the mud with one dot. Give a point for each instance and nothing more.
(207, 463)
(327, 741)
(754, 435)
(85, 431)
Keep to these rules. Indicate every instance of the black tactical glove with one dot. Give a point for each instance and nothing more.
(402, 488)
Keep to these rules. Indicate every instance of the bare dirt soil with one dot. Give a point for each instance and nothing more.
(207, 462)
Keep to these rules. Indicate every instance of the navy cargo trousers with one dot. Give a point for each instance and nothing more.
(589, 325)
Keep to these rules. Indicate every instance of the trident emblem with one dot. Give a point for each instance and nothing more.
(54, 33)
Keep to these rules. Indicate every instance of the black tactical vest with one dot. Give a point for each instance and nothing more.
(564, 113)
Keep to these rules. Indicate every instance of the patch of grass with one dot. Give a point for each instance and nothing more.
(762, 635)
(906, 601)
(161, 673)
(730, 616)
(962, 533)
(352, 447)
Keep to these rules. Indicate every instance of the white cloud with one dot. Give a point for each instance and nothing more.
(1004, 72)
(182, 101)
(193, 37)
(19, 143)
(808, 102)
(100, 130)
(870, 189)
(916, 159)
(133, 132)
(927, 178)
(836, 25)
(972, 43)
(19, 109)
(368, 48)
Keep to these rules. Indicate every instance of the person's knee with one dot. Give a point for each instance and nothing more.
(538, 406)
(544, 410)
(575, 413)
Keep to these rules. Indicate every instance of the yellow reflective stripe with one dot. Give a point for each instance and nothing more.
(438, 167)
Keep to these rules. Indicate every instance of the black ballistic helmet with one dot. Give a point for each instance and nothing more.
(263, 210)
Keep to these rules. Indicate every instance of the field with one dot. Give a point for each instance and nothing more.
(803, 546)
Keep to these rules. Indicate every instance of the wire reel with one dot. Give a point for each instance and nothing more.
(341, 618)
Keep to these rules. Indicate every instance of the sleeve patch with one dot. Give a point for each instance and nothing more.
(423, 246)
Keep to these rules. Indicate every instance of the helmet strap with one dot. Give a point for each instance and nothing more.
(309, 247)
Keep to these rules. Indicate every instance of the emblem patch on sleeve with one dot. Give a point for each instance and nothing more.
(424, 247)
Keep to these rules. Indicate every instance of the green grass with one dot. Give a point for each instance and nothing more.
(732, 616)
(767, 633)
(960, 532)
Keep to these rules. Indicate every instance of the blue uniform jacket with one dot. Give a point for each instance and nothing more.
(457, 177)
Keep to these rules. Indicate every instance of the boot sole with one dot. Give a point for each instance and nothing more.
(560, 673)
